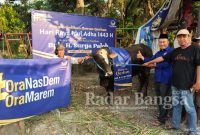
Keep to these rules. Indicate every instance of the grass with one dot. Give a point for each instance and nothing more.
(98, 122)
(94, 121)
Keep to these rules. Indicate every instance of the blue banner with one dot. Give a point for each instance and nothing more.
(79, 34)
(122, 72)
(144, 34)
(32, 87)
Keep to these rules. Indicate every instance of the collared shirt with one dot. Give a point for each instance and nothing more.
(163, 70)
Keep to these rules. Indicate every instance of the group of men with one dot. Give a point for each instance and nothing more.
(177, 71)
(177, 74)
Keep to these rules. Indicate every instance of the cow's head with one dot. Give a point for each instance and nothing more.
(102, 58)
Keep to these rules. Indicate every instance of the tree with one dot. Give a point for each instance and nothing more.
(80, 6)
(66, 6)
(9, 1)
(39, 5)
(9, 20)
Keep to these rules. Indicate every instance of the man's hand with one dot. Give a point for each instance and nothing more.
(148, 64)
(153, 65)
(140, 56)
(196, 86)
(68, 57)
(87, 57)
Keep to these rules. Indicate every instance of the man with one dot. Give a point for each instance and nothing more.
(185, 65)
(162, 76)
(197, 94)
(60, 53)
(197, 41)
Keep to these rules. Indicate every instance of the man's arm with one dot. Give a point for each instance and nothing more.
(74, 60)
(159, 59)
(196, 86)
(198, 74)
(145, 59)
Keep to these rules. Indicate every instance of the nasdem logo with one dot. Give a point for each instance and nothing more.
(25, 91)
(112, 23)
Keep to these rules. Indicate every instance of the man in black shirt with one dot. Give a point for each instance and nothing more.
(185, 62)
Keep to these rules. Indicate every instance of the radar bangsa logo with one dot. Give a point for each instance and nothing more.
(16, 93)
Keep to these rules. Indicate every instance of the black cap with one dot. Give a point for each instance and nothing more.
(196, 39)
(163, 36)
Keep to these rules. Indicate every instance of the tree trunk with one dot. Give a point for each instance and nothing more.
(150, 9)
(109, 4)
(80, 6)
(106, 10)
(122, 9)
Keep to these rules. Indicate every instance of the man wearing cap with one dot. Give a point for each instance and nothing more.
(162, 77)
(197, 41)
(185, 79)
(60, 53)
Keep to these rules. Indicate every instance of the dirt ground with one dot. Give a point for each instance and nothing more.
(89, 113)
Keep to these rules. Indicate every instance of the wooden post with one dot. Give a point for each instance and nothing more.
(8, 46)
(21, 36)
(23, 46)
(29, 42)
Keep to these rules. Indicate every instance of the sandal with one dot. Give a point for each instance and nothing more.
(157, 123)
(190, 133)
(69, 109)
(156, 116)
(169, 127)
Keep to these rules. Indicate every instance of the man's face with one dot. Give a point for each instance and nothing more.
(61, 53)
(198, 42)
(163, 43)
(184, 40)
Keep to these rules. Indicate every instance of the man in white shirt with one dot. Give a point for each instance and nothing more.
(60, 52)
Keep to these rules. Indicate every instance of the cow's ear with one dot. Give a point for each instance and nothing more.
(113, 55)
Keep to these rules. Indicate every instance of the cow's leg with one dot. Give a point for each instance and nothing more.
(141, 81)
(110, 90)
(145, 76)
(108, 85)
(110, 96)
(144, 81)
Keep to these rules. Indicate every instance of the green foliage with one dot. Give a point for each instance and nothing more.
(61, 5)
(40, 5)
(24, 15)
(157, 4)
(9, 20)
(196, 8)
(17, 17)
(129, 13)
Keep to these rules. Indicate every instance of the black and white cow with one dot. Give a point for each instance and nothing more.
(103, 58)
